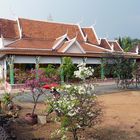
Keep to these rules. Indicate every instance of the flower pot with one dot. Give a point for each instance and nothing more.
(42, 119)
(31, 118)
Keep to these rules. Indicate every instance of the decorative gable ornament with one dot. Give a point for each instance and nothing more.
(112, 47)
(137, 50)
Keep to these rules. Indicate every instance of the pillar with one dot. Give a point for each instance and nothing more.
(102, 70)
(37, 65)
(84, 60)
(10, 61)
(62, 72)
(4, 69)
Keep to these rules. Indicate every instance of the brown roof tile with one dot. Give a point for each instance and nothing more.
(48, 53)
(9, 29)
(48, 30)
(32, 44)
(105, 44)
(116, 45)
(92, 48)
(91, 36)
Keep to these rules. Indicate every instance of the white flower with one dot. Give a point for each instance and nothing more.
(71, 113)
(83, 72)
(67, 86)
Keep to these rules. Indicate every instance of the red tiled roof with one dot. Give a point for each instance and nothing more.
(91, 36)
(9, 29)
(32, 43)
(105, 44)
(48, 30)
(48, 53)
(116, 45)
(92, 48)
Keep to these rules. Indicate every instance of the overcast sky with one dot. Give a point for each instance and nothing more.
(111, 18)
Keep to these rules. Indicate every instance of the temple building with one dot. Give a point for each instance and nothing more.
(25, 42)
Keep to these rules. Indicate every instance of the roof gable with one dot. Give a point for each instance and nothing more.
(91, 36)
(105, 44)
(71, 46)
(115, 46)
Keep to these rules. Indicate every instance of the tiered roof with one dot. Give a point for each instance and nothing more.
(44, 37)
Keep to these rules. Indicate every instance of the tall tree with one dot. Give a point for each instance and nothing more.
(128, 43)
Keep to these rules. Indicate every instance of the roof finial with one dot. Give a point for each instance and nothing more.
(67, 31)
(112, 47)
(106, 36)
(1, 41)
(137, 49)
(13, 14)
(76, 34)
(94, 23)
(81, 20)
(85, 38)
(50, 18)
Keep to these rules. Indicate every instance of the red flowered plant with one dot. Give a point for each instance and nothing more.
(35, 83)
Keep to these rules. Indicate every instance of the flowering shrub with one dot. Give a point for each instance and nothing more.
(83, 72)
(35, 83)
(77, 107)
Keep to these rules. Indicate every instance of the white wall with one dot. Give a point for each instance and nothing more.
(93, 61)
(74, 49)
(54, 60)
(32, 59)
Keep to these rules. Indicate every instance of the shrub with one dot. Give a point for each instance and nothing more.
(77, 108)
(68, 68)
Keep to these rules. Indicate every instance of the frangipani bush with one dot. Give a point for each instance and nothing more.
(77, 107)
(83, 72)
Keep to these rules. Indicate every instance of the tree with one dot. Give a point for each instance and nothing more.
(128, 43)
(68, 68)
(35, 85)
(123, 69)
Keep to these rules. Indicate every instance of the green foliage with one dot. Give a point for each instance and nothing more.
(123, 68)
(68, 68)
(6, 99)
(128, 43)
(51, 71)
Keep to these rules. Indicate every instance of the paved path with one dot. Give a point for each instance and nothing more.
(100, 88)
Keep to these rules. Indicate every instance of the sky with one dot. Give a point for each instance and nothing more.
(110, 18)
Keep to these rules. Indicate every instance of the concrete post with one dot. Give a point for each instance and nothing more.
(102, 70)
(10, 61)
(62, 72)
(37, 65)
